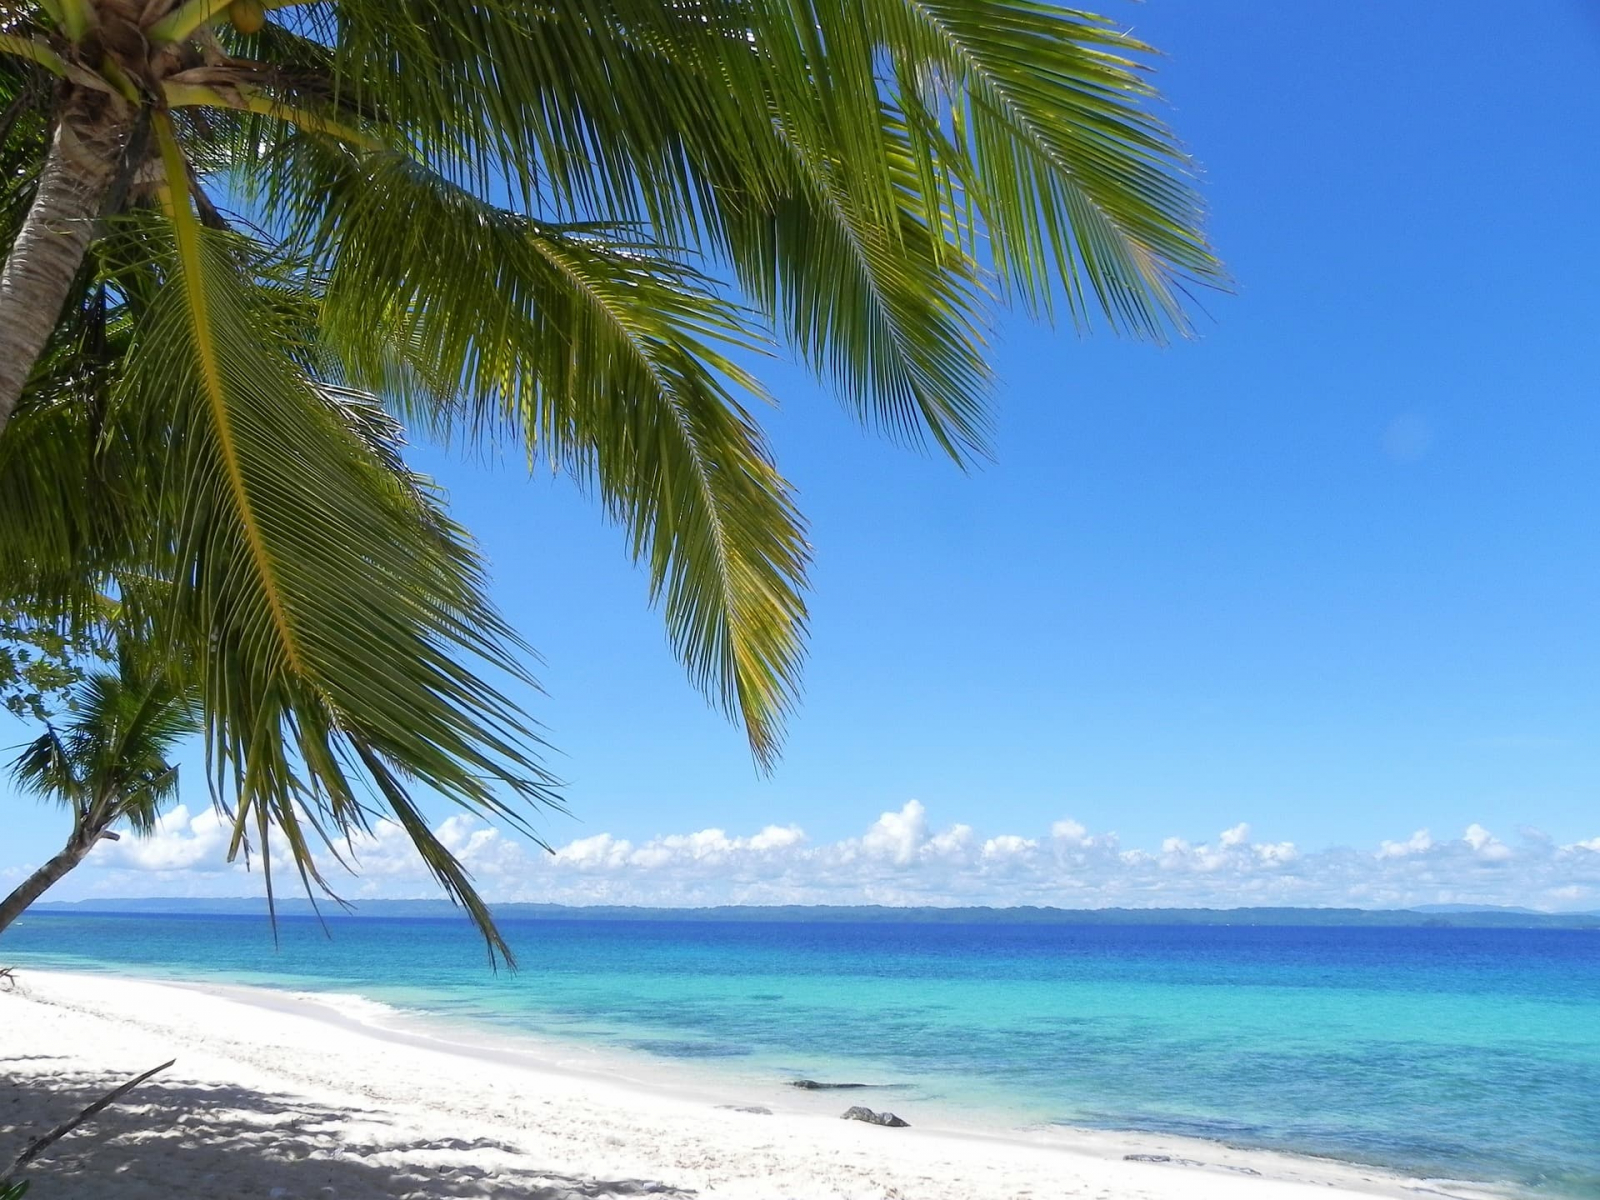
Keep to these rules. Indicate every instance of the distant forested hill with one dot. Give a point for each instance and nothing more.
(1433, 915)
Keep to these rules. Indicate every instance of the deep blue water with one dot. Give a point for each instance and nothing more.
(1461, 1053)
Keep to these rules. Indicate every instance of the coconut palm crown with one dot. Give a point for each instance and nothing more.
(249, 243)
(108, 763)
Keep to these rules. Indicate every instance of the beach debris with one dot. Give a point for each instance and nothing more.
(60, 1131)
(1163, 1158)
(811, 1085)
(859, 1113)
(760, 1109)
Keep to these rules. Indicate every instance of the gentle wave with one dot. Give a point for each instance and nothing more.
(1411, 1049)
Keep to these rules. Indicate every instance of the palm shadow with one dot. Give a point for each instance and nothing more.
(176, 1138)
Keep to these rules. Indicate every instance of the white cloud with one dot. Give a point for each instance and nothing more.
(900, 858)
(599, 852)
(1008, 846)
(1069, 831)
(183, 841)
(1485, 844)
(1276, 852)
(898, 835)
(1418, 843)
(775, 837)
(955, 842)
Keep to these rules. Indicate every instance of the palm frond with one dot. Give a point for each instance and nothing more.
(68, 470)
(571, 101)
(110, 759)
(1044, 116)
(44, 768)
(336, 622)
(891, 311)
(607, 359)
(514, 219)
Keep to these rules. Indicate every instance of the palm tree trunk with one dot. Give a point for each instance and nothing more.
(85, 155)
(35, 885)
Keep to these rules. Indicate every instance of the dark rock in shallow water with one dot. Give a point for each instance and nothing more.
(874, 1118)
(811, 1085)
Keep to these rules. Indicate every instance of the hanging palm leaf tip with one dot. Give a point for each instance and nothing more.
(508, 222)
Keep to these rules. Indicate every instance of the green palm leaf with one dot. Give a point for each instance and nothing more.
(611, 361)
(514, 219)
(891, 311)
(109, 763)
(340, 619)
(1045, 124)
(111, 760)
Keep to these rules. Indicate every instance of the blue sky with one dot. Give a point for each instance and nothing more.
(1331, 569)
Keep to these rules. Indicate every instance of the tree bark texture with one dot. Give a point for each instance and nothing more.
(35, 885)
(84, 160)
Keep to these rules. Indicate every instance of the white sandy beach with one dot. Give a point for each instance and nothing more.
(285, 1096)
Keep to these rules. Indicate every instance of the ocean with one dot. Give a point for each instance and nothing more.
(1466, 1054)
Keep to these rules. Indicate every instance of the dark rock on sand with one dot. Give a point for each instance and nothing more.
(749, 1108)
(859, 1113)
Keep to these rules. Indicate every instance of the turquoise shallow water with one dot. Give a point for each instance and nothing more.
(1458, 1053)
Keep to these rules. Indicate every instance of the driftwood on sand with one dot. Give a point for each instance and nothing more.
(39, 1144)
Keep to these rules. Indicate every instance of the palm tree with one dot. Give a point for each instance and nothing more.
(559, 225)
(108, 763)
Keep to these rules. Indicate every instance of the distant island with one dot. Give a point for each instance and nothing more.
(1425, 916)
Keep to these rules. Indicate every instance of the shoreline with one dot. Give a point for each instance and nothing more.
(523, 1108)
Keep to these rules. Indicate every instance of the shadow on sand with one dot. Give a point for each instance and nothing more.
(174, 1139)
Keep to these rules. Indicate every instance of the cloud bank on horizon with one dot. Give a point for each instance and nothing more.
(901, 859)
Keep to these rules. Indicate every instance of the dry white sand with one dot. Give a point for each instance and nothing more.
(278, 1095)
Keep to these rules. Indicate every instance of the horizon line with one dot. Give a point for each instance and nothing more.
(441, 906)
